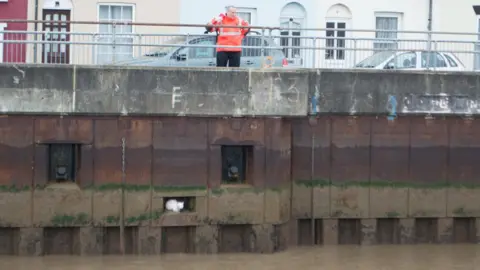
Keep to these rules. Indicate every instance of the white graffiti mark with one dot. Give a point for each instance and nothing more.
(440, 104)
(176, 96)
(293, 94)
(19, 70)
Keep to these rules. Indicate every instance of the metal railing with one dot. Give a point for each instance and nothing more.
(121, 43)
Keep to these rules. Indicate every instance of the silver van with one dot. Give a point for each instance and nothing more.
(172, 53)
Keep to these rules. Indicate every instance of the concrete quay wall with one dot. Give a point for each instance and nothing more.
(360, 158)
(80, 90)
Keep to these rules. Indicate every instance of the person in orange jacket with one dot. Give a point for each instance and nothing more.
(228, 37)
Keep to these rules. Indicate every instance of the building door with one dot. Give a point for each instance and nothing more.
(53, 52)
(293, 17)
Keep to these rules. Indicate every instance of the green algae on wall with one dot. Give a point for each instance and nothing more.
(235, 190)
(13, 188)
(244, 189)
(139, 188)
(321, 183)
(154, 215)
(460, 211)
(70, 220)
(392, 214)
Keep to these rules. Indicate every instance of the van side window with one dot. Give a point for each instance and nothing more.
(251, 52)
(433, 59)
(199, 52)
(404, 60)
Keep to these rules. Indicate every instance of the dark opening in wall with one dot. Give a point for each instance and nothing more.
(235, 238)
(178, 239)
(111, 240)
(349, 231)
(64, 162)
(61, 241)
(9, 241)
(237, 164)
(305, 237)
(280, 236)
(388, 231)
(464, 230)
(179, 204)
(426, 230)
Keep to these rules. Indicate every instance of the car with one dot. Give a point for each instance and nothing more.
(172, 53)
(408, 60)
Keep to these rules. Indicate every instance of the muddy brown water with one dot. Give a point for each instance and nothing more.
(421, 257)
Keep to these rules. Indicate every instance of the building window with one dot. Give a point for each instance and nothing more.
(237, 162)
(338, 45)
(247, 14)
(118, 34)
(63, 162)
(390, 22)
(2, 28)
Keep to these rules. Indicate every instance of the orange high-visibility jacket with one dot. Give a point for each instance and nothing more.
(229, 36)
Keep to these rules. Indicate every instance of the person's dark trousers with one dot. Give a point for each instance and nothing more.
(232, 58)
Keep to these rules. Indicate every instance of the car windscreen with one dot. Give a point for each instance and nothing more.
(375, 60)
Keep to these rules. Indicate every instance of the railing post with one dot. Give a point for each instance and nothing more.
(113, 42)
(122, 204)
(95, 49)
(35, 45)
(140, 37)
(187, 59)
(44, 44)
(475, 54)
(262, 50)
(354, 52)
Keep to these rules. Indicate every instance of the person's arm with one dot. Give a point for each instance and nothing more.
(215, 21)
(245, 30)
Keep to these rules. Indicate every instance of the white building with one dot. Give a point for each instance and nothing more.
(406, 15)
(63, 11)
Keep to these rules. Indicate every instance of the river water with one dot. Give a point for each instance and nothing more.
(421, 257)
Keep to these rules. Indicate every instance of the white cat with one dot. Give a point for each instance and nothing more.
(174, 205)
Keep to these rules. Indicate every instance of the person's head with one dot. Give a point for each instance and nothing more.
(231, 11)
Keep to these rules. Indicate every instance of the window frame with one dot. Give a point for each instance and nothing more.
(252, 11)
(3, 26)
(392, 15)
(335, 47)
(99, 34)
